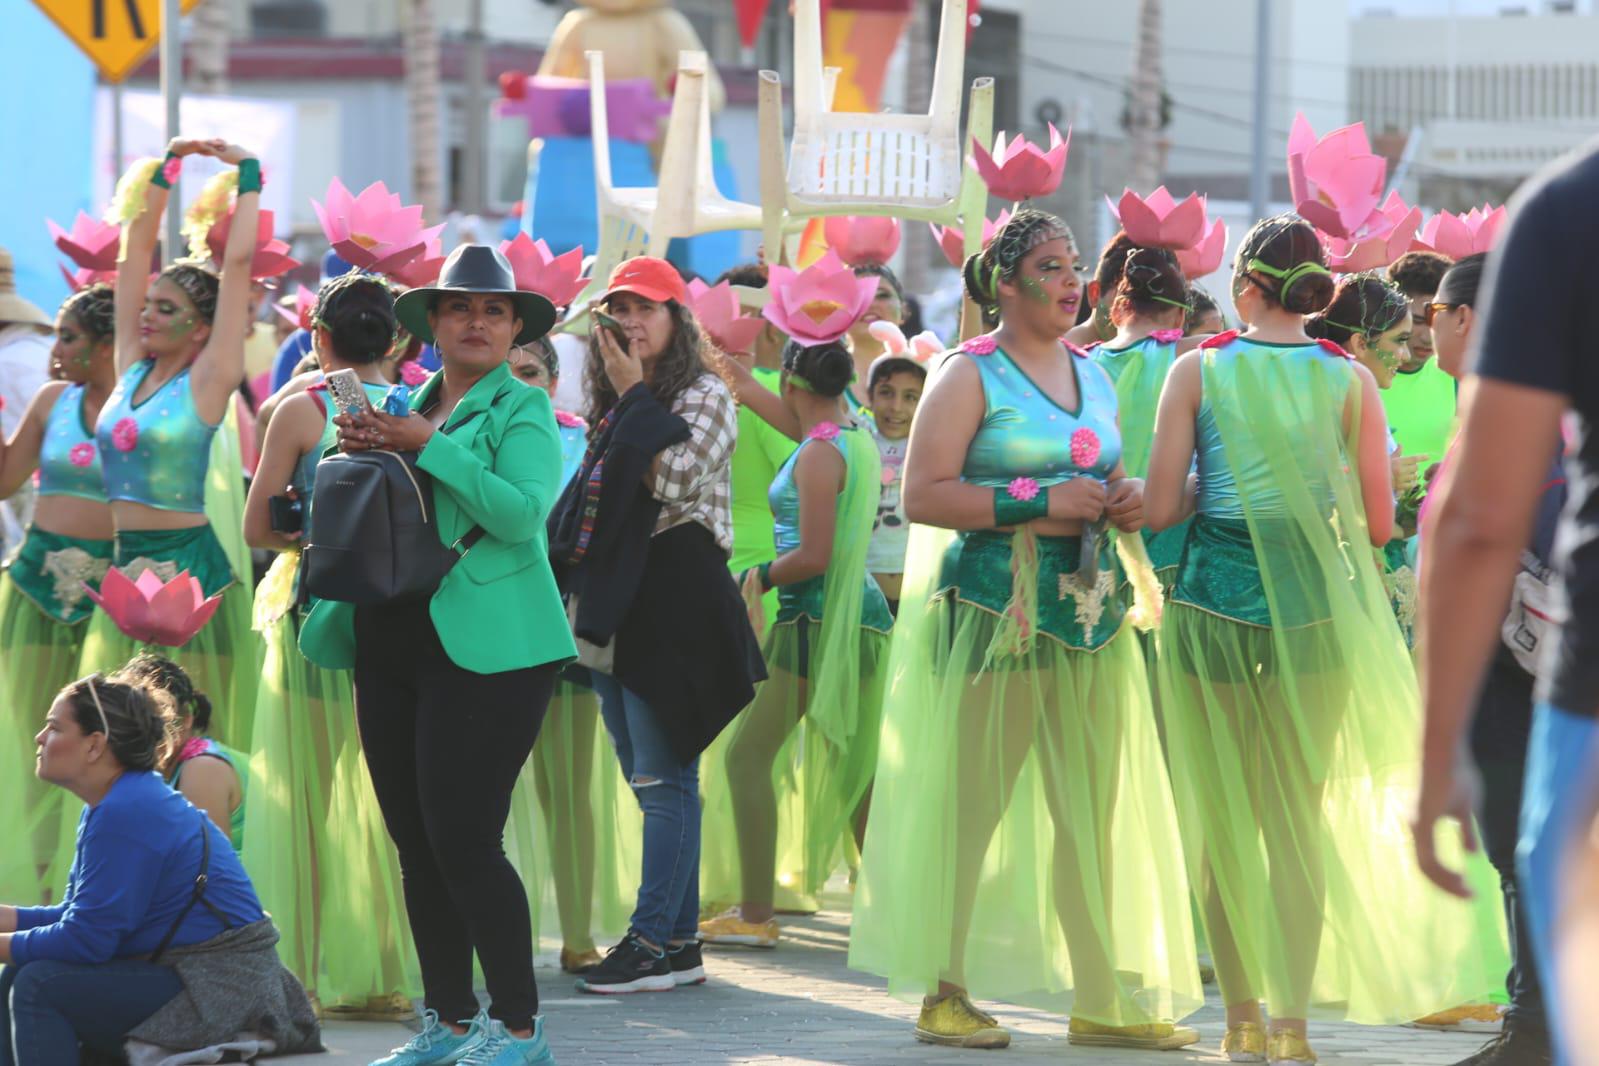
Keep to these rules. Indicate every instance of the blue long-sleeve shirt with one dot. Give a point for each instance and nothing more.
(138, 852)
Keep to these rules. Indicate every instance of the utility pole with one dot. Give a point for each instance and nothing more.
(208, 47)
(422, 88)
(1143, 126)
(171, 94)
(1259, 173)
(473, 164)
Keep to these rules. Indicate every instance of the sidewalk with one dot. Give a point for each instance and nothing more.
(800, 1004)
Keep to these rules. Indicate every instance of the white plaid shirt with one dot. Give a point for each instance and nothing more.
(694, 480)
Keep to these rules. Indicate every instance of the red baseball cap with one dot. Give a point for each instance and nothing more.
(646, 276)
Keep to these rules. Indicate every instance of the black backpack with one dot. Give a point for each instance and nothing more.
(373, 536)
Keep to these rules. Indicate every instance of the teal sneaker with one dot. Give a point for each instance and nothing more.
(500, 1048)
(437, 1044)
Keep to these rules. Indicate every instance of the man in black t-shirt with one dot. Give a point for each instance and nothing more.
(1536, 360)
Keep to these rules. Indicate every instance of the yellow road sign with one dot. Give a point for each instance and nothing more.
(116, 34)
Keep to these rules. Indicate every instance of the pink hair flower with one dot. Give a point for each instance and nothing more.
(569, 420)
(125, 435)
(193, 748)
(1167, 336)
(1085, 448)
(171, 169)
(81, 454)
(823, 431)
(413, 373)
(1023, 488)
(983, 344)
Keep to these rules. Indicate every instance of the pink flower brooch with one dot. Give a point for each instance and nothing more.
(413, 373)
(1085, 448)
(1167, 336)
(81, 454)
(125, 435)
(823, 431)
(568, 420)
(984, 344)
(1023, 488)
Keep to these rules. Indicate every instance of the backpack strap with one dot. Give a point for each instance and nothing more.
(197, 895)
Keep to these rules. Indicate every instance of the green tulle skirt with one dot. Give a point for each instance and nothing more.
(315, 845)
(793, 782)
(575, 832)
(38, 658)
(223, 659)
(1022, 841)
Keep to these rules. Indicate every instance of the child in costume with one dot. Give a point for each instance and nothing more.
(43, 606)
(1022, 843)
(180, 354)
(1288, 698)
(209, 774)
(1147, 309)
(1370, 319)
(888, 305)
(819, 706)
(586, 838)
(316, 846)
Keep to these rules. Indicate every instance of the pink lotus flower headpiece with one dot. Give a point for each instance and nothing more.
(820, 303)
(153, 612)
(1204, 257)
(78, 280)
(557, 278)
(1021, 170)
(374, 230)
(918, 349)
(1458, 236)
(421, 271)
(1385, 236)
(719, 314)
(953, 242)
(271, 256)
(1335, 182)
(91, 244)
(300, 315)
(1159, 221)
(862, 239)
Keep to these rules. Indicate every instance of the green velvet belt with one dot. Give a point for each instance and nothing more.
(51, 570)
(977, 570)
(1220, 572)
(170, 551)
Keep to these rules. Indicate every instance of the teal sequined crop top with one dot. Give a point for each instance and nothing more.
(156, 452)
(69, 460)
(1026, 434)
(1218, 487)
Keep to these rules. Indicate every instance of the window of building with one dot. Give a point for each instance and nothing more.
(288, 18)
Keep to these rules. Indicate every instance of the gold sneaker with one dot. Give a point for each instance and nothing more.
(729, 927)
(1154, 1036)
(1245, 1042)
(1287, 1046)
(1472, 1018)
(954, 1022)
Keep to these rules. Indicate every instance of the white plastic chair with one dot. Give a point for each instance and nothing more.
(685, 201)
(853, 163)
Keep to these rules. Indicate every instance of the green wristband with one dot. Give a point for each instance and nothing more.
(249, 175)
(1009, 511)
(172, 162)
(765, 570)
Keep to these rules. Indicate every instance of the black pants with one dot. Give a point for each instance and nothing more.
(1499, 745)
(444, 747)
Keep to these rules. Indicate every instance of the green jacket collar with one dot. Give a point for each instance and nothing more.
(477, 399)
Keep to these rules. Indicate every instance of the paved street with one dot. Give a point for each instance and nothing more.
(800, 1004)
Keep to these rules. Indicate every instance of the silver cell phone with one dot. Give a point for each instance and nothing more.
(344, 386)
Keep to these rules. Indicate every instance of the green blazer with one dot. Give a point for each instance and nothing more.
(498, 608)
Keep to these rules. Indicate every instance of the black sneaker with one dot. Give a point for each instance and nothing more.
(688, 966)
(1515, 1046)
(630, 967)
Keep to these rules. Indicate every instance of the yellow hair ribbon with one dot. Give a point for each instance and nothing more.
(127, 203)
(212, 203)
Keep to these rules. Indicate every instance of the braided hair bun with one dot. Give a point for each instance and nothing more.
(825, 369)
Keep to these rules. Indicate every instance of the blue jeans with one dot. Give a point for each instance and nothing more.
(48, 1009)
(668, 792)
(1556, 801)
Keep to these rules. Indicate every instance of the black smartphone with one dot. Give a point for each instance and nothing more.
(611, 325)
(286, 514)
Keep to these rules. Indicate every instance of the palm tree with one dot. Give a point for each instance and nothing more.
(422, 91)
(1144, 109)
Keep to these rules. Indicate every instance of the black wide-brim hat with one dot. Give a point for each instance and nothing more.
(481, 269)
